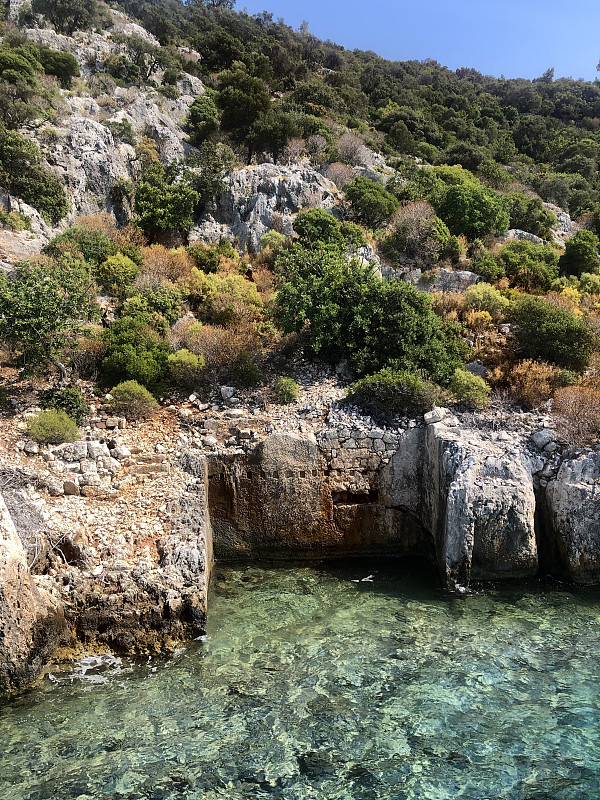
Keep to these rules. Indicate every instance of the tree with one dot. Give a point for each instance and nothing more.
(42, 308)
(203, 119)
(242, 100)
(67, 16)
(473, 211)
(270, 133)
(64, 65)
(318, 227)
(581, 255)
(163, 205)
(531, 266)
(371, 203)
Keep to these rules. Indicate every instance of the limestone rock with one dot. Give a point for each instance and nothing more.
(260, 197)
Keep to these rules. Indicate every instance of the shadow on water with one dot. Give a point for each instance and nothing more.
(353, 680)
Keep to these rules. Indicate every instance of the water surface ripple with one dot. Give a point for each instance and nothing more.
(314, 683)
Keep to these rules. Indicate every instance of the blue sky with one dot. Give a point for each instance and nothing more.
(517, 38)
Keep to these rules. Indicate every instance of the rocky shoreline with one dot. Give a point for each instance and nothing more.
(107, 543)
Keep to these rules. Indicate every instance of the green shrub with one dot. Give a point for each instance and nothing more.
(529, 214)
(531, 266)
(394, 391)
(14, 221)
(548, 332)
(170, 92)
(130, 400)
(426, 238)
(185, 368)
(581, 255)
(353, 235)
(589, 283)
(52, 427)
(69, 399)
(272, 239)
(135, 352)
(206, 256)
(244, 371)
(490, 269)
(165, 301)
(483, 297)
(225, 299)
(317, 226)
(470, 390)
(371, 203)
(122, 131)
(117, 273)
(473, 211)
(285, 390)
(93, 245)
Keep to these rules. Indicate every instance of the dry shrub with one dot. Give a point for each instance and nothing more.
(103, 223)
(568, 299)
(160, 263)
(294, 150)
(265, 283)
(449, 305)
(478, 321)
(418, 210)
(577, 413)
(339, 173)
(123, 238)
(222, 347)
(85, 358)
(531, 382)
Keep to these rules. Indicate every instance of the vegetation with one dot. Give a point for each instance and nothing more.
(394, 391)
(130, 400)
(285, 390)
(68, 399)
(52, 427)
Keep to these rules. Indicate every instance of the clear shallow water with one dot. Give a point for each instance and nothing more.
(313, 686)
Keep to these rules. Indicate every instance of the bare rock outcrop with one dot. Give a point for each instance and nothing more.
(262, 197)
(573, 507)
(31, 619)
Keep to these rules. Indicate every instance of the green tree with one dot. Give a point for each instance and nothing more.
(64, 65)
(67, 16)
(371, 203)
(581, 255)
(43, 308)
(163, 204)
(548, 332)
(203, 120)
(242, 100)
(473, 211)
(23, 175)
(530, 266)
(318, 226)
(270, 133)
(529, 214)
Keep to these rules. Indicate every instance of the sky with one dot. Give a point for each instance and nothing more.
(514, 38)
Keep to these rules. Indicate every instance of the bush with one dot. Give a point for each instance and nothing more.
(130, 400)
(577, 412)
(68, 399)
(470, 390)
(92, 244)
(225, 299)
(532, 382)
(117, 273)
(548, 332)
(52, 427)
(160, 263)
(529, 214)
(317, 226)
(244, 371)
(353, 235)
(483, 297)
(185, 368)
(135, 352)
(285, 390)
(272, 239)
(371, 203)
(419, 235)
(490, 269)
(581, 255)
(473, 211)
(393, 391)
(67, 16)
(534, 267)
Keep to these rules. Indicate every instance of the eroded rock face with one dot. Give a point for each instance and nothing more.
(262, 197)
(31, 620)
(573, 501)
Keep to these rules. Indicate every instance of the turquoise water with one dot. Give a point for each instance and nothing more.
(312, 685)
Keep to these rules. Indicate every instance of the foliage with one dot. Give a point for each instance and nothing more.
(353, 235)
(185, 368)
(22, 174)
(489, 267)
(69, 399)
(531, 266)
(581, 255)
(67, 16)
(93, 246)
(470, 390)
(163, 204)
(243, 99)
(64, 65)
(483, 297)
(130, 400)
(224, 299)
(203, 119)
(371, 203)
(42, 308)
(122, 131)
(52, 427)
(285, 390)
(394, 391)
(317, 226)
(244, 371)
(473, 211)
(532, 382)
(419, 234)
(529, 214)
(548, 332)
(213, 161)
(135, 351)
(14, 221)
(117, 273)
(352, 313)
(272, 239)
